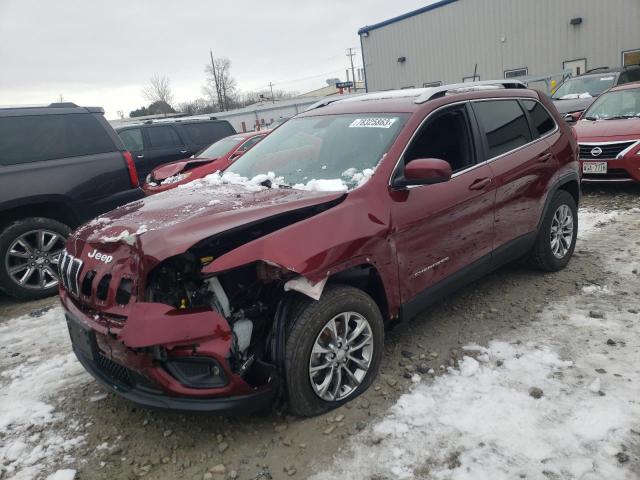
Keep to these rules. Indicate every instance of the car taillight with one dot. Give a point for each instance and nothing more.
(131, 167)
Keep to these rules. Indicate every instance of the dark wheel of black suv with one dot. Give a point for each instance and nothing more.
(29, 253)
(333, 350)
(557, 237)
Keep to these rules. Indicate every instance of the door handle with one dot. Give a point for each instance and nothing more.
(139, 156)
(544, 157)
(480, 183)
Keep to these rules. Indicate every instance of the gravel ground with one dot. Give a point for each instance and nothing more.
(119, 440)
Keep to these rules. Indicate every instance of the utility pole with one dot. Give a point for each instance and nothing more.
(352, 54)
(271, 87)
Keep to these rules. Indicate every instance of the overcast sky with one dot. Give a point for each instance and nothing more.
(103, 52)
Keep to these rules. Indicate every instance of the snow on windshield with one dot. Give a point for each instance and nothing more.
(336, 152)
(350, 179)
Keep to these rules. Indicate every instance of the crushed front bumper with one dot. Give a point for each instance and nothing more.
(121, 358)
(126, 383)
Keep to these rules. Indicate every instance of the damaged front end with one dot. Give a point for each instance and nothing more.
(173, 334)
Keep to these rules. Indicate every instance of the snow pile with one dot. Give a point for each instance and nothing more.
(323, 185)
(254, 184)
(560, 402)
(174, 179)
(125, 236)
(65, 474)
(99, 221)
(353, 175)
(36, 365)
(351, 178)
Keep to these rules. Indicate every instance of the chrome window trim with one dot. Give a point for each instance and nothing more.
(486, 162)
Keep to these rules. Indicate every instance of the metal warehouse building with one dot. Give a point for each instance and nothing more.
(443, 42)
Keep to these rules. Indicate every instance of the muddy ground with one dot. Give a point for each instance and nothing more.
(124, 441)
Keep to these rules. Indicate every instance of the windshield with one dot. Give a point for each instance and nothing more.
(584, 87)
(331, 152)
(220, 148)
(620, 104)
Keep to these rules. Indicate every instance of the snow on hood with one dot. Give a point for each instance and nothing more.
(170, 222)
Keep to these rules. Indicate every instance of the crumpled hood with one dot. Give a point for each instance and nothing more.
(623, 129)
(170, 169)
(573, 105)
(169, 223)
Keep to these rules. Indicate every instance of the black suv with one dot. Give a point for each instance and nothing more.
(60, 165)
(154, 143)
(577, 93)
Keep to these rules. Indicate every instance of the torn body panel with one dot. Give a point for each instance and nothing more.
(324, 245)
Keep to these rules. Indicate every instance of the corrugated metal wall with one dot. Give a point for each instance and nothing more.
(445, 44)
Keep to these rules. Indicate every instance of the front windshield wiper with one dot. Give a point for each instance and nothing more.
(621, 117)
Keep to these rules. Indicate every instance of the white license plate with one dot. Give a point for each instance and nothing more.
(594, 167)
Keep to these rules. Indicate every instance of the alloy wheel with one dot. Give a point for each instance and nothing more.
(561, 231)
(32, 259)
(341, 356)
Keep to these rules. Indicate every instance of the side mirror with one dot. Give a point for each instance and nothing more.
(424, 171)
(569, 118)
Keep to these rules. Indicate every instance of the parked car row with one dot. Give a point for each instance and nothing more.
(575, 95)
(229, 294)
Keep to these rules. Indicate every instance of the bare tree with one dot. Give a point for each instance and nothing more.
(197, 106)
(221, 86)
(158, 90)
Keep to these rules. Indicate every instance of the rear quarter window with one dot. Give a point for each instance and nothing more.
(163, 137)
(35, 138)
(202, 133)
(504, 123)
(542, 122)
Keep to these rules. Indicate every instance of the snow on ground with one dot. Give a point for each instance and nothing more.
(36, 366)
(482, 421)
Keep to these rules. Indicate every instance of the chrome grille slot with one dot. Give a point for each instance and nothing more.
(70, 272)
(103, 287)
(605, 151)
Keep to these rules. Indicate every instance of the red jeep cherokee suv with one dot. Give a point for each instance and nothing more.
(278, 276)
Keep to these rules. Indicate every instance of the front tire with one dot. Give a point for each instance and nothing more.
(29, 252)
(333, 350)
(558, 232)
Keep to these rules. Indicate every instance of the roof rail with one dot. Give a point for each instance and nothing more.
(62, 104)
(435, 92)
(328, 100)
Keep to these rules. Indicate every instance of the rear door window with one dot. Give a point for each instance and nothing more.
(542, 122)
(35, 138)
(164, 136)
(504, 123)
(202, 133)
(132, 139)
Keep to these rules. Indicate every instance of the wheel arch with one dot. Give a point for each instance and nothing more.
(55, 209)
(367, 278)
(570, 182)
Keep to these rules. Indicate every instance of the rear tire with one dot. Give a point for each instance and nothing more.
(352, 367)
(557, 236)
(29, 251)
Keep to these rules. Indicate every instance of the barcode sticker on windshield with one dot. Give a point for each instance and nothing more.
(372, 122)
